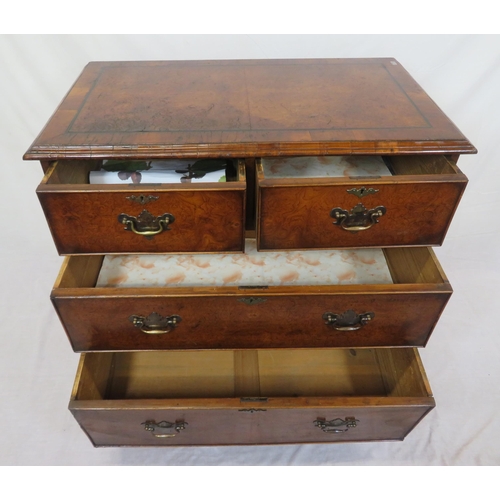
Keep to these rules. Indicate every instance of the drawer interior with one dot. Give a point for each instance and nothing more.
(397, 265)
(253, 268)
(73, 172)
(252, 373)
(352, 167)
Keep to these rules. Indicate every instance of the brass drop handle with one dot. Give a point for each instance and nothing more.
(155, 324)
(358, 219)
(348, 321)
(332, 426)
(152, 426)
(146, 224)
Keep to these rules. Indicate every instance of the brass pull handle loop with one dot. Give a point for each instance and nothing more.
(358, 219)
(146, 224)
(155, 324)
(348, 321)
(152, 426)
(332, 426)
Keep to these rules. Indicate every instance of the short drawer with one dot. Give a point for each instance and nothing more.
(411, 203)
(249, 397)
(141, 218)
(399, 312)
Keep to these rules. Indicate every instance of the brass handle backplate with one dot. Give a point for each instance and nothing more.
(347, 321)
(333, 426)
(146, 224)
(154, 427)
(358, 219)
(155, 324)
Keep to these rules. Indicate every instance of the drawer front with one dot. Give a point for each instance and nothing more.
(249, 425)
(117, 222)
(328, 216)
(241, 321)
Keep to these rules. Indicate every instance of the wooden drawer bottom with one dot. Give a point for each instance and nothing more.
(249, 397)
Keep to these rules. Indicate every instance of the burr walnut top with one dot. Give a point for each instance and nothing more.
(246, 108)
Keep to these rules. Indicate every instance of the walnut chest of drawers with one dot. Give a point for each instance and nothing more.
(225, 361)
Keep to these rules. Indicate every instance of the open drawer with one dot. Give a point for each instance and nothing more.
(401, 201)
(142, 218)
(249, 397)
(353, 302)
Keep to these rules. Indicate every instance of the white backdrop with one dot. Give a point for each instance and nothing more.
(37, 365)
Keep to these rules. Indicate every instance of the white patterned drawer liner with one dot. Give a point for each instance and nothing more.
(323, 267)
(325, 166)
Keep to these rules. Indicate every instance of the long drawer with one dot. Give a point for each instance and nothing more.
(399, 313)
(412, 207)
(144, 218)
(249, 397)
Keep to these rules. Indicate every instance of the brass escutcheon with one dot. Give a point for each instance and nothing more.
(362, 191)
(143, 199)
(250, 301)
